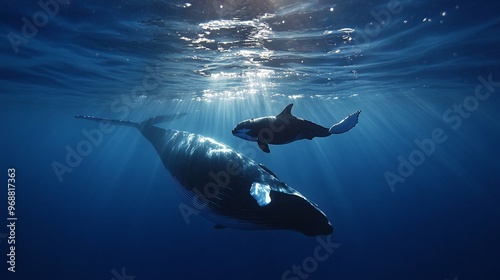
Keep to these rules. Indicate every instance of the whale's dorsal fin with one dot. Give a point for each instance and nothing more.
(268, 170)
(287, 112)
(160, 119)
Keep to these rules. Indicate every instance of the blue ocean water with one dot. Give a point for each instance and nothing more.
(412, 190)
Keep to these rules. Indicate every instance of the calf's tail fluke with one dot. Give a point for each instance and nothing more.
(346, 124)
(148, 122)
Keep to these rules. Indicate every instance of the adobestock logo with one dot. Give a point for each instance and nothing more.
(39, 19)
(454, 117)
(121, 276)
(309, 265)
(74, 156)
(122, 105)
(211, 190)
(381, 18)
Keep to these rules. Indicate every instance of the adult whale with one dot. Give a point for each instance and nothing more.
(285, 128)
(227, 187)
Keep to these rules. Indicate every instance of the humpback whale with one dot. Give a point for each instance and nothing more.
(227, 187)
(285, 128)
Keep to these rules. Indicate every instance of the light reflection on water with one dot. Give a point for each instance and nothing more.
(269, 49)
(245, 57)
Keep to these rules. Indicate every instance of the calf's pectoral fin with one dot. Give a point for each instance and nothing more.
(263, 144)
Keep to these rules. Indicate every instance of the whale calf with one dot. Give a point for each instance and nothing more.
(227, 187)
(285, 128)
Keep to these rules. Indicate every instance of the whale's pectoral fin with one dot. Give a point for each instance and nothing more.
(217, 226)
(263, 144)
(346, 124)
(261, 193)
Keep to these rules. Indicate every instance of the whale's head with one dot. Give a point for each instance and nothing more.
(248, 129)
(282, 207)
(295, 212)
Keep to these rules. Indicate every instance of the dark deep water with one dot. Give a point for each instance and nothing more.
(412, 190)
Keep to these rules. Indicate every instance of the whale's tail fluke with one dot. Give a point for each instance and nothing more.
(146, 123)
(346, 124)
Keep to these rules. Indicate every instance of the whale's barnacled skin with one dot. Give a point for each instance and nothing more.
(233, 190)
